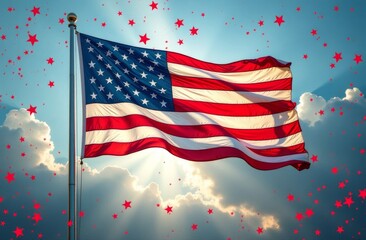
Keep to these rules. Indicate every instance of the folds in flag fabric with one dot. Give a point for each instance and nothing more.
(137, 98)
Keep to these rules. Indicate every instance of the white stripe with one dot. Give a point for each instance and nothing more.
(126, 136)
(256, 76)
(218, 96)
(273, 143)
(191, 118)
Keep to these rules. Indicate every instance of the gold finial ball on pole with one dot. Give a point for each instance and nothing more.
(72, 18)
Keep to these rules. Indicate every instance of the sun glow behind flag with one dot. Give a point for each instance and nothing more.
(138, 98)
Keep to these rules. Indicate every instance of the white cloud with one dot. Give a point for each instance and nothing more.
(311, 105)
(37, 134)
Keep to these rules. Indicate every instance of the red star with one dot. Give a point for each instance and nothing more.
(119, 13)
(21, 139)
(115, 216)
(131, 22)
(104, 24)
(279, 20)
(338, 204)
(332, 65)
(340, 229)
(341, 185)
(61, 21)
(314, 158)
(260, 23)
(210, 211)
(337, 56)
(314, 32)
(179, 23)
(290, 197)
(18, 232)
(194, 227)
(50, 60)
(35, 11)
(3, 37)
(32, 109)
(362, 193)
(51, 84)
(169, 209)
(69, 223)
(127, 204)
(358, 58)
(348, 201)
(321, 112)
(259, 230)
(317, 232)
(37, 217)
(153, 5)
(10, 177)
(298, 9)
(40, 235)
(309, 212)
(36, 206)
(194, 31)
(32, 39)
(180, 41)
(81, 214)
(144, 38)
(33, 177)
(299, 216)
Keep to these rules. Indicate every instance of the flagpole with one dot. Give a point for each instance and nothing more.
(72, 18)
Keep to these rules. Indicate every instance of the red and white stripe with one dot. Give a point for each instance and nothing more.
(242, 109)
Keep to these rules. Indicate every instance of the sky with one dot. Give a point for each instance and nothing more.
(151, 194)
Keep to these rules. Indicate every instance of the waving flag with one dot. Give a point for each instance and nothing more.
(137, 98)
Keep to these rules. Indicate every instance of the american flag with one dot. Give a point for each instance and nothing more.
(138, 98)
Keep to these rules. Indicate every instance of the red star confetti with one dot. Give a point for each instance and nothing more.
(279, 20)
(169, 209)
(358, 58)
(337, 57)
(32, 39)
(340, 229)
(50, 61)
(51, 84)
(144, 38)
(154, 5)
(32, 109)
(131, 22)
(259, 230)
(179, 23)
(194, 227)
(127, 204)
(18, 232)
(35, 11)
(10, 177)
(362, 194)
(36, 217)
(194, 31)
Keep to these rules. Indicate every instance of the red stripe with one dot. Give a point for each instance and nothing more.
(238, 66)
(196, 131)
(280, 151)
(212, 84)
(120, 149)
(225, 109)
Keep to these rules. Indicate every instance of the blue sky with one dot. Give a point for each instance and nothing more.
(325, 202)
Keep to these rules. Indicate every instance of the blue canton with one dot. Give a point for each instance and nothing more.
(115, 73)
